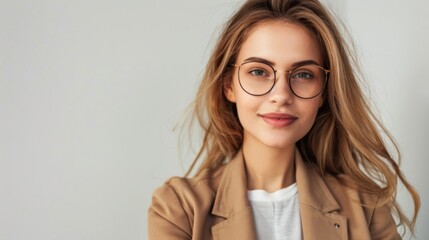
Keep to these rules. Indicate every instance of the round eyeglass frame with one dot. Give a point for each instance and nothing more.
(288, 78)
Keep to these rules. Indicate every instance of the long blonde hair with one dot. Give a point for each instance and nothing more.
(346, 138)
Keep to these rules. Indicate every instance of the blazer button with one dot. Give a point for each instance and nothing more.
(336, 225)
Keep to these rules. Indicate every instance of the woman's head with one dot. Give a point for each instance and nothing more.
(216, 113)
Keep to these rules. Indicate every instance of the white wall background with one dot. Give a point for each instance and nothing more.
(91, 90)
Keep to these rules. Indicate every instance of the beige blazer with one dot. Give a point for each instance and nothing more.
(214, 205)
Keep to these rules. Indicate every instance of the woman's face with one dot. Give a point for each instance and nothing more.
(277, 119)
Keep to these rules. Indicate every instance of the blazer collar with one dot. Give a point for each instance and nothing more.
(232, 204)
(316, 204)
(231, 196)
(312, 189)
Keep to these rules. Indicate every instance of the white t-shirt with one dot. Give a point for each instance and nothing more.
(276, 214)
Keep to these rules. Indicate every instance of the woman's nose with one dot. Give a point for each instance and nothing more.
(281, 92)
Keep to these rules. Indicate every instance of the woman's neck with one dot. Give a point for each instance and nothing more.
(268, 168)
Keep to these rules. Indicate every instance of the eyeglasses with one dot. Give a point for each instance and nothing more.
(305, 81)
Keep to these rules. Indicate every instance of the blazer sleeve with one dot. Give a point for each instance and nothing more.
(382, 225)
(167, 218)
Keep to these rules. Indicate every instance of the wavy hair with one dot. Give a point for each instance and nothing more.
(346, 138)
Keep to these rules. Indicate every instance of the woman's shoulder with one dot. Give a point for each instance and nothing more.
(180, 200)
(188, 191)
(343, 187)
(351, 198)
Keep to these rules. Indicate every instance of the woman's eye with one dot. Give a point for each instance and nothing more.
(258, 73)
(305, 75)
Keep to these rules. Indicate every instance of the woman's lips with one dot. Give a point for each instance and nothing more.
(278, 120)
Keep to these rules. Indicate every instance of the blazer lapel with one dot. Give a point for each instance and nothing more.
(231, 204)
(319, 210)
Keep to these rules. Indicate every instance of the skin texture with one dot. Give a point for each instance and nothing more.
(268, 149)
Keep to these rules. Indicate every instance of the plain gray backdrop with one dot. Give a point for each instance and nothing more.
(90, 92)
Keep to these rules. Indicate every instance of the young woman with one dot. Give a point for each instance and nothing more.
(291, 149)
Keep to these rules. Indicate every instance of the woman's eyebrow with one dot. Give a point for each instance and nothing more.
(259, 59)
(305, 62)
(296, 64)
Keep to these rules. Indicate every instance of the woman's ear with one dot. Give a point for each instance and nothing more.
(228, 90)
(322, 100)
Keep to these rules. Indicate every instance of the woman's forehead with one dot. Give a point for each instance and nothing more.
(280, 42)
